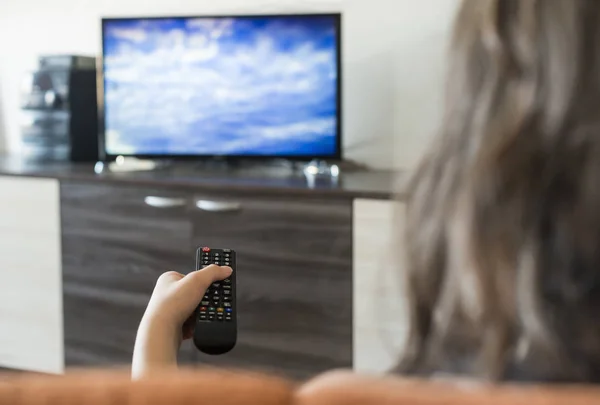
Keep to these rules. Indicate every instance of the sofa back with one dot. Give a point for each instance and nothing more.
(217, 387)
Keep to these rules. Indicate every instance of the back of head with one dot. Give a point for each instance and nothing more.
(504, 214)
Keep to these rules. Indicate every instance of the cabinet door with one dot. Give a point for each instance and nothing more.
(31, 335)
(294, 281)
(379, 335)
(117, 240)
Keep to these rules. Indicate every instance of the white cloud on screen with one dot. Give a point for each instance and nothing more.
(201, 54)
(215, 27)
(131, 34)
(322, 126)
(115, 144)
(255, 136)
(188, 78)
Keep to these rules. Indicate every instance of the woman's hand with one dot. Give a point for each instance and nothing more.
(169, 318)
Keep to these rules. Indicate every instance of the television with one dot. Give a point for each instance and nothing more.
(252, 86)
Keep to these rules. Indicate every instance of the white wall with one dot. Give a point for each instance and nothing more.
(393, 60)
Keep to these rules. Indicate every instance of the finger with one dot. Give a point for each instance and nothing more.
(200, 280)
(169, 277)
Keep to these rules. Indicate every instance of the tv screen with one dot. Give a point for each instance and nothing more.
(265, 86)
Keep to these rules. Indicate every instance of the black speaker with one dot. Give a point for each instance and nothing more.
(59, 110)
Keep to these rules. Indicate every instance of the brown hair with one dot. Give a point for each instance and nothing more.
(503, 218)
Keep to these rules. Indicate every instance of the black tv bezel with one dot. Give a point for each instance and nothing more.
(337, 156)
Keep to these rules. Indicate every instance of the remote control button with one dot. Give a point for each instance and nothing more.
(205, 303)
(216, 285)
(226, 250)
(216, 254)
(220, 309)
(226, 287)
(227, 304)
(206, 249)
(219, 318)
(227, 299)
(202, 308)
(202, 317)
(227, 292)
(212, 309)
(228, 319)
(211, 317)
(227, 281)
(228, 310)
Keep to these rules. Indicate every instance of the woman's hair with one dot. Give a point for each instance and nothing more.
(503, 216)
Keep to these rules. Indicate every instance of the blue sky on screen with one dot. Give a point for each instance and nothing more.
(237, 86)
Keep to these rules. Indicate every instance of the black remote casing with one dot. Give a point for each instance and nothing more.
(215, 334)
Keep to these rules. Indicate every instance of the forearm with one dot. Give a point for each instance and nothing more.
(155, 349)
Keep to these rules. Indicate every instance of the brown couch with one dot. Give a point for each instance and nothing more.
(217, 387)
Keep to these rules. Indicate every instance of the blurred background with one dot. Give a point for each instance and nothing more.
(393, 54)
(318, 245)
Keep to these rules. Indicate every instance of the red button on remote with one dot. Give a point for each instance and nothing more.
(206, 249)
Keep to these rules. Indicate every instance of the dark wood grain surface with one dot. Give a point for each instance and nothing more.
(294, 273)
(114, 247)
(294, 281)
(246, 179)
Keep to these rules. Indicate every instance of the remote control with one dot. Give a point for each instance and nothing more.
(215, 331)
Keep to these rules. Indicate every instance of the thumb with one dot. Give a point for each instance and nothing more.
(200, 280)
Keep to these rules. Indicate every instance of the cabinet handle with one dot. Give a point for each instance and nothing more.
(164, 202)
(218, 206)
